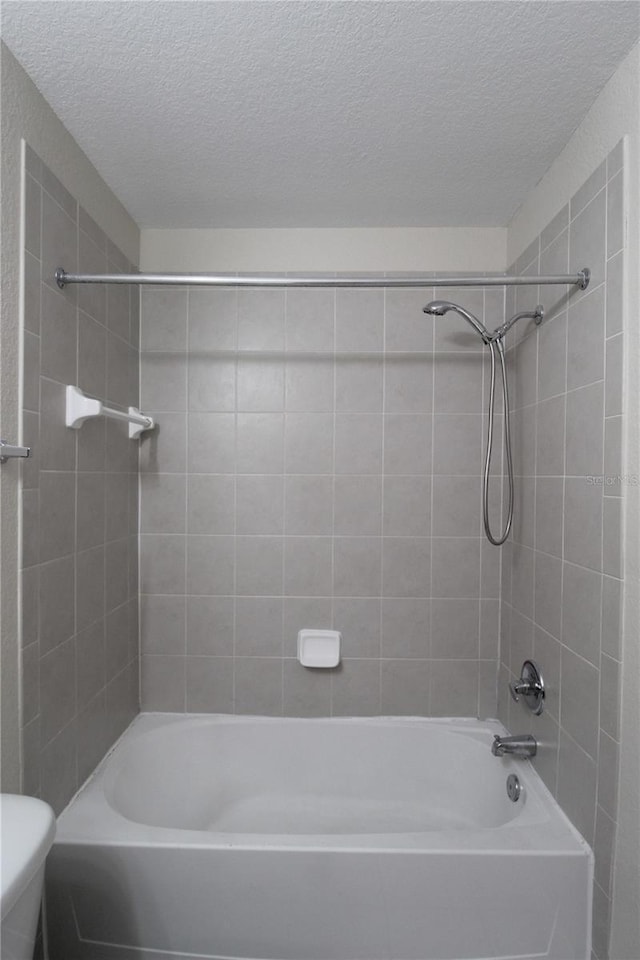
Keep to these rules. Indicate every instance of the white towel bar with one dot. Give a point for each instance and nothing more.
(80, 407)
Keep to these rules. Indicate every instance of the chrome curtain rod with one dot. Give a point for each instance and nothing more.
(580, 279)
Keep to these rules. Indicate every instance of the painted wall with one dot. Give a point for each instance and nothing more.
(446, 249)
(25, 114)
(317, 464)
(79, 579)
(615, 114)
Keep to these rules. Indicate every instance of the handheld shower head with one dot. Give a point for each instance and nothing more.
(495, 342)
(438, 308)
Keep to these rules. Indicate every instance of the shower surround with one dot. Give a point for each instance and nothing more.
(562, 569)
(80, 500)
(317, 464)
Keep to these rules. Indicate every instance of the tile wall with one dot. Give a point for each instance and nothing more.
(562, 570)
(317, 464)
(80, 499)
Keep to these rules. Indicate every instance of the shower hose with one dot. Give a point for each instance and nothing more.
(494, 345)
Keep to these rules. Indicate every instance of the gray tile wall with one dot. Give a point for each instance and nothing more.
(80, 499)
(317, 464)
(562, 570)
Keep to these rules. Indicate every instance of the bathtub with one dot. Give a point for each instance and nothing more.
(279, 839)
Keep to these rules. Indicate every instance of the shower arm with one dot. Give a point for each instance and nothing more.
(536, 315)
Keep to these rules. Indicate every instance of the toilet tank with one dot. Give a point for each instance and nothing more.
(27, 831)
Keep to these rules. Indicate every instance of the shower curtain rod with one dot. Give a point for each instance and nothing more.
(580, 279)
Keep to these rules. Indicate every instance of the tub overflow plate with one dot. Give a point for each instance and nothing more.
(514, 787)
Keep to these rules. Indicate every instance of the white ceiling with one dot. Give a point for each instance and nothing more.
(352, 113)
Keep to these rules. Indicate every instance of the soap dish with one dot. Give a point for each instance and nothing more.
(319, 648)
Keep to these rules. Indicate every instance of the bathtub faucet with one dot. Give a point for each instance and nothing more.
(522, 746)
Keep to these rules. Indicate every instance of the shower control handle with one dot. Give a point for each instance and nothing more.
(518, 688)
(530, 686)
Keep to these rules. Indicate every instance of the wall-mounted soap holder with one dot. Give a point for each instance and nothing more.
(530, 686)
(319, 648)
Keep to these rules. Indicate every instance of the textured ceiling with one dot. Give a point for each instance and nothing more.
(356, 113)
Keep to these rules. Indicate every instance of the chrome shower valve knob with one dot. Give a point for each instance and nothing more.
(530, 687)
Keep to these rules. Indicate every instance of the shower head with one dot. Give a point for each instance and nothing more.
(438, 308)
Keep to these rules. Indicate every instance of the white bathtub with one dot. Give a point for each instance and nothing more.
(276, 839)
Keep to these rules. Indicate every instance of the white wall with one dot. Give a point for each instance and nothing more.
(615, 114)
(26, 115)
(324, 250)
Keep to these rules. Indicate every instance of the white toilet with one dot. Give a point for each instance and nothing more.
(28, 828)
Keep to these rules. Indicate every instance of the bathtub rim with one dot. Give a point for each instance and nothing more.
(90, 819)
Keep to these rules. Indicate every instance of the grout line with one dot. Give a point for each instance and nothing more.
(333, 484)
(138, 313)
(602, 524)
(185, 622)
(234, 648)
(383, 485)
(283, 491)
(573, 218)
(483, 393)
(430, 679)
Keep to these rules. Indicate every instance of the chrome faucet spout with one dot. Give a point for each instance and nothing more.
(522, 746)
